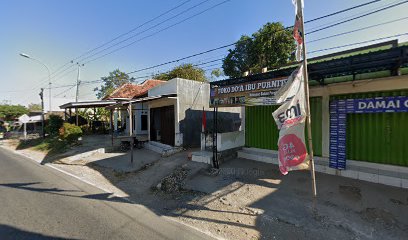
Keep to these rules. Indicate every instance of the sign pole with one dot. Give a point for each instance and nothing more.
(308, 119)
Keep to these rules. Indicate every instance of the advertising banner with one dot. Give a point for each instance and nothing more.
(290, 119)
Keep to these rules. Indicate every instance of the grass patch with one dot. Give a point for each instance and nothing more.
(50, 145)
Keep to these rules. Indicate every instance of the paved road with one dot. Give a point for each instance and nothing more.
(38, 202)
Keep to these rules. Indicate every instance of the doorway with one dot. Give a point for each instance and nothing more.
(162, 125)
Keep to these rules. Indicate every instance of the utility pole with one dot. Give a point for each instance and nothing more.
(77, 91)
(48, 70)
(306, 84)
(42, 112)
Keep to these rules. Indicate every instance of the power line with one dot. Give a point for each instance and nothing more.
(358, 43)
(357, 30)
(152, 27)
(121, 35)
(342, 11)
(56, 95)
(228, 45)
(354, 18)
(328, 15)
(133, 29)
(348, 17)
(163, 29)
(312, 20)
(84, 56)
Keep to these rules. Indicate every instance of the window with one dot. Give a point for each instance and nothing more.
(143, 120)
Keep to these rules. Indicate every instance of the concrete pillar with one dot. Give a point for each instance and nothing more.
(115, 120)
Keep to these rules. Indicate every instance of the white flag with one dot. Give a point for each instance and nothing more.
(289, 90)
(290, 119)
(296, 3)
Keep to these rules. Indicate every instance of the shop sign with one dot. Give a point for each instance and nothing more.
(249, 94)
(381, 104)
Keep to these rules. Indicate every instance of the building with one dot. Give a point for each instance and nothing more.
(359, 111)
(172, 112)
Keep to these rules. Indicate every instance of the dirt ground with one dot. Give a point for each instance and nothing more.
(251, 200)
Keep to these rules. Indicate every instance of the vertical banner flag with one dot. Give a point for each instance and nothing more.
(290, 118)
(298, 30)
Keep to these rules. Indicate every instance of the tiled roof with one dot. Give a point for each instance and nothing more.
(129, 90)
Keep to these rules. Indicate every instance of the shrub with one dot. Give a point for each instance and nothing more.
(54, 124)
(70, 132)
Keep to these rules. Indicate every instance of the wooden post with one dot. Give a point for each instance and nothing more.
(308, 119)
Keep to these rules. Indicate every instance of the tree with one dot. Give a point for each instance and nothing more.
(114, 80)
(216, 73)
(11, 112)
(187, 71)
(54, 124)
(270, 46)
(34, 107)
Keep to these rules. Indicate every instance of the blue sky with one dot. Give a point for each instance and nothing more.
(57, 31)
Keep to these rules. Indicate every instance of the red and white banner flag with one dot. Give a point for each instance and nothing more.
(290, 118)
(297, 29)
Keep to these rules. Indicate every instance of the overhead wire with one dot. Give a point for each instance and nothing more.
(286, 28)
(358, 43)
(322, 17)
(354, 18)
(159, 31)
(357, 30)
(116, 38)
(150, 28)
(228, 45)
(350, 16)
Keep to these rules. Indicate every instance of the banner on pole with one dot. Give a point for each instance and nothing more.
(290, 118)
(297, 29)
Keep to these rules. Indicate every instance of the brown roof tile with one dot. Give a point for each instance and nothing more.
(130, 90)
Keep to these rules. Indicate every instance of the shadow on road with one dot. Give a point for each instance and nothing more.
(63, 192)
(12, 233)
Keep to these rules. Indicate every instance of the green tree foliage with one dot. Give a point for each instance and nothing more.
(217, 73)
(11, 112)
(186, 71)
(270, 46)
(34, 107)
(114, 80)
(70, 133)
(55, 122)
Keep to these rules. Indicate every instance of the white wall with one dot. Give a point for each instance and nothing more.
(137, 113)
(230, 140)
(168, 87)
(190, 95)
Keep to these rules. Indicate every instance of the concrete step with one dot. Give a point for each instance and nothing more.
(160, 145)
(163, 149)
(260, 155)
(202, 156)
(365, 171)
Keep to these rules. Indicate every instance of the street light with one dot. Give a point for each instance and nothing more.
(49, 74)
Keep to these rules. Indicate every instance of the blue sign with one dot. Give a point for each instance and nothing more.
(338, 119)
(380, 105)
